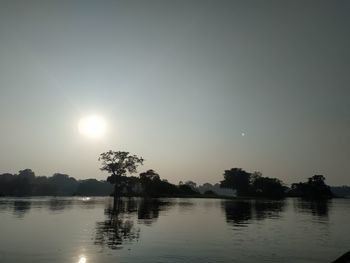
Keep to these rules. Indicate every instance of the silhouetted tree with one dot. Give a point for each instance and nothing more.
(43, 186)
(210, 192)
(64, 184)
(129, 186)
(341, 191)
(118, 164)
(314, 188)
(238, 179)
(153, 186)
(186, 190)
(191, 184)
(267, 187)
(93, 187)
(7, 184)
(150, 181)
(24, 182)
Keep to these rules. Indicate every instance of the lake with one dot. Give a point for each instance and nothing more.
(86, 230)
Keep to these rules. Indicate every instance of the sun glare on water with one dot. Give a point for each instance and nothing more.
(92, 126)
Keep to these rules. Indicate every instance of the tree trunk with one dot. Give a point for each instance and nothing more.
(115, 196)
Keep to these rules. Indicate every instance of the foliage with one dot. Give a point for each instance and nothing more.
(252, 184)
(237, 178)
(314, 188)
(191, 184)
(186, 190)
(92, 187)
(150, 184)
(267, 187)
(25, 183)
(341, 191)
(119, 163)
(153, 186)
(210, 192)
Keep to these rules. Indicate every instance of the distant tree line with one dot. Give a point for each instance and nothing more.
(315, 187)
(253, 184)
(256, 185)
(147, 184)
(343, 191)
(25, 183)
(237, 182)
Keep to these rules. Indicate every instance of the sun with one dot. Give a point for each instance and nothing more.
(92, 126)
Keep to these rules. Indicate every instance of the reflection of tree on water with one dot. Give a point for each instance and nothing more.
(317, 208)
(120, 226)
(117, 229)
(20, 208)
(56, 205)
(149, 209)
(268, 209)
(239, 212)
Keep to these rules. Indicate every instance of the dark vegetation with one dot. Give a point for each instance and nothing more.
(149, 183)
(343, 191)
(25, 183)
(314, 188)
(118, 164)
(255, 185)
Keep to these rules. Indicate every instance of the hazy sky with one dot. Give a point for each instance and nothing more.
(178, 83)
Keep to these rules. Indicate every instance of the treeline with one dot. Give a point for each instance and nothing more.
(237, 182)
(150, 184)
(343, 191)
(256, 185)
(25, 183)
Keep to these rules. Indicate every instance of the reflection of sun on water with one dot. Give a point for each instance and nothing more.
(82, 259)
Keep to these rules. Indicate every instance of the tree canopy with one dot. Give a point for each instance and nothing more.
(237, 178)
(252, 184)
(119, 163)
(314, 188)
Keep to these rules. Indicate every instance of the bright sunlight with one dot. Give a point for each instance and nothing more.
(92, 126)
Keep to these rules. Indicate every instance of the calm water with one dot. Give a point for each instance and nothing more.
(85, 230)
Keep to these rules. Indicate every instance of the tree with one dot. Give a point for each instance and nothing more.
(149, 175)
(267, 187)
(191, 184)
(314, 188)
(118, 164)
(237, 178)
(150, 182)
(24, 182)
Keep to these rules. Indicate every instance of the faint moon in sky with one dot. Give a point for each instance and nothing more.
(92, 126)
(243, 134)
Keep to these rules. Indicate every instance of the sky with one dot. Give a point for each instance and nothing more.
(194, 87)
